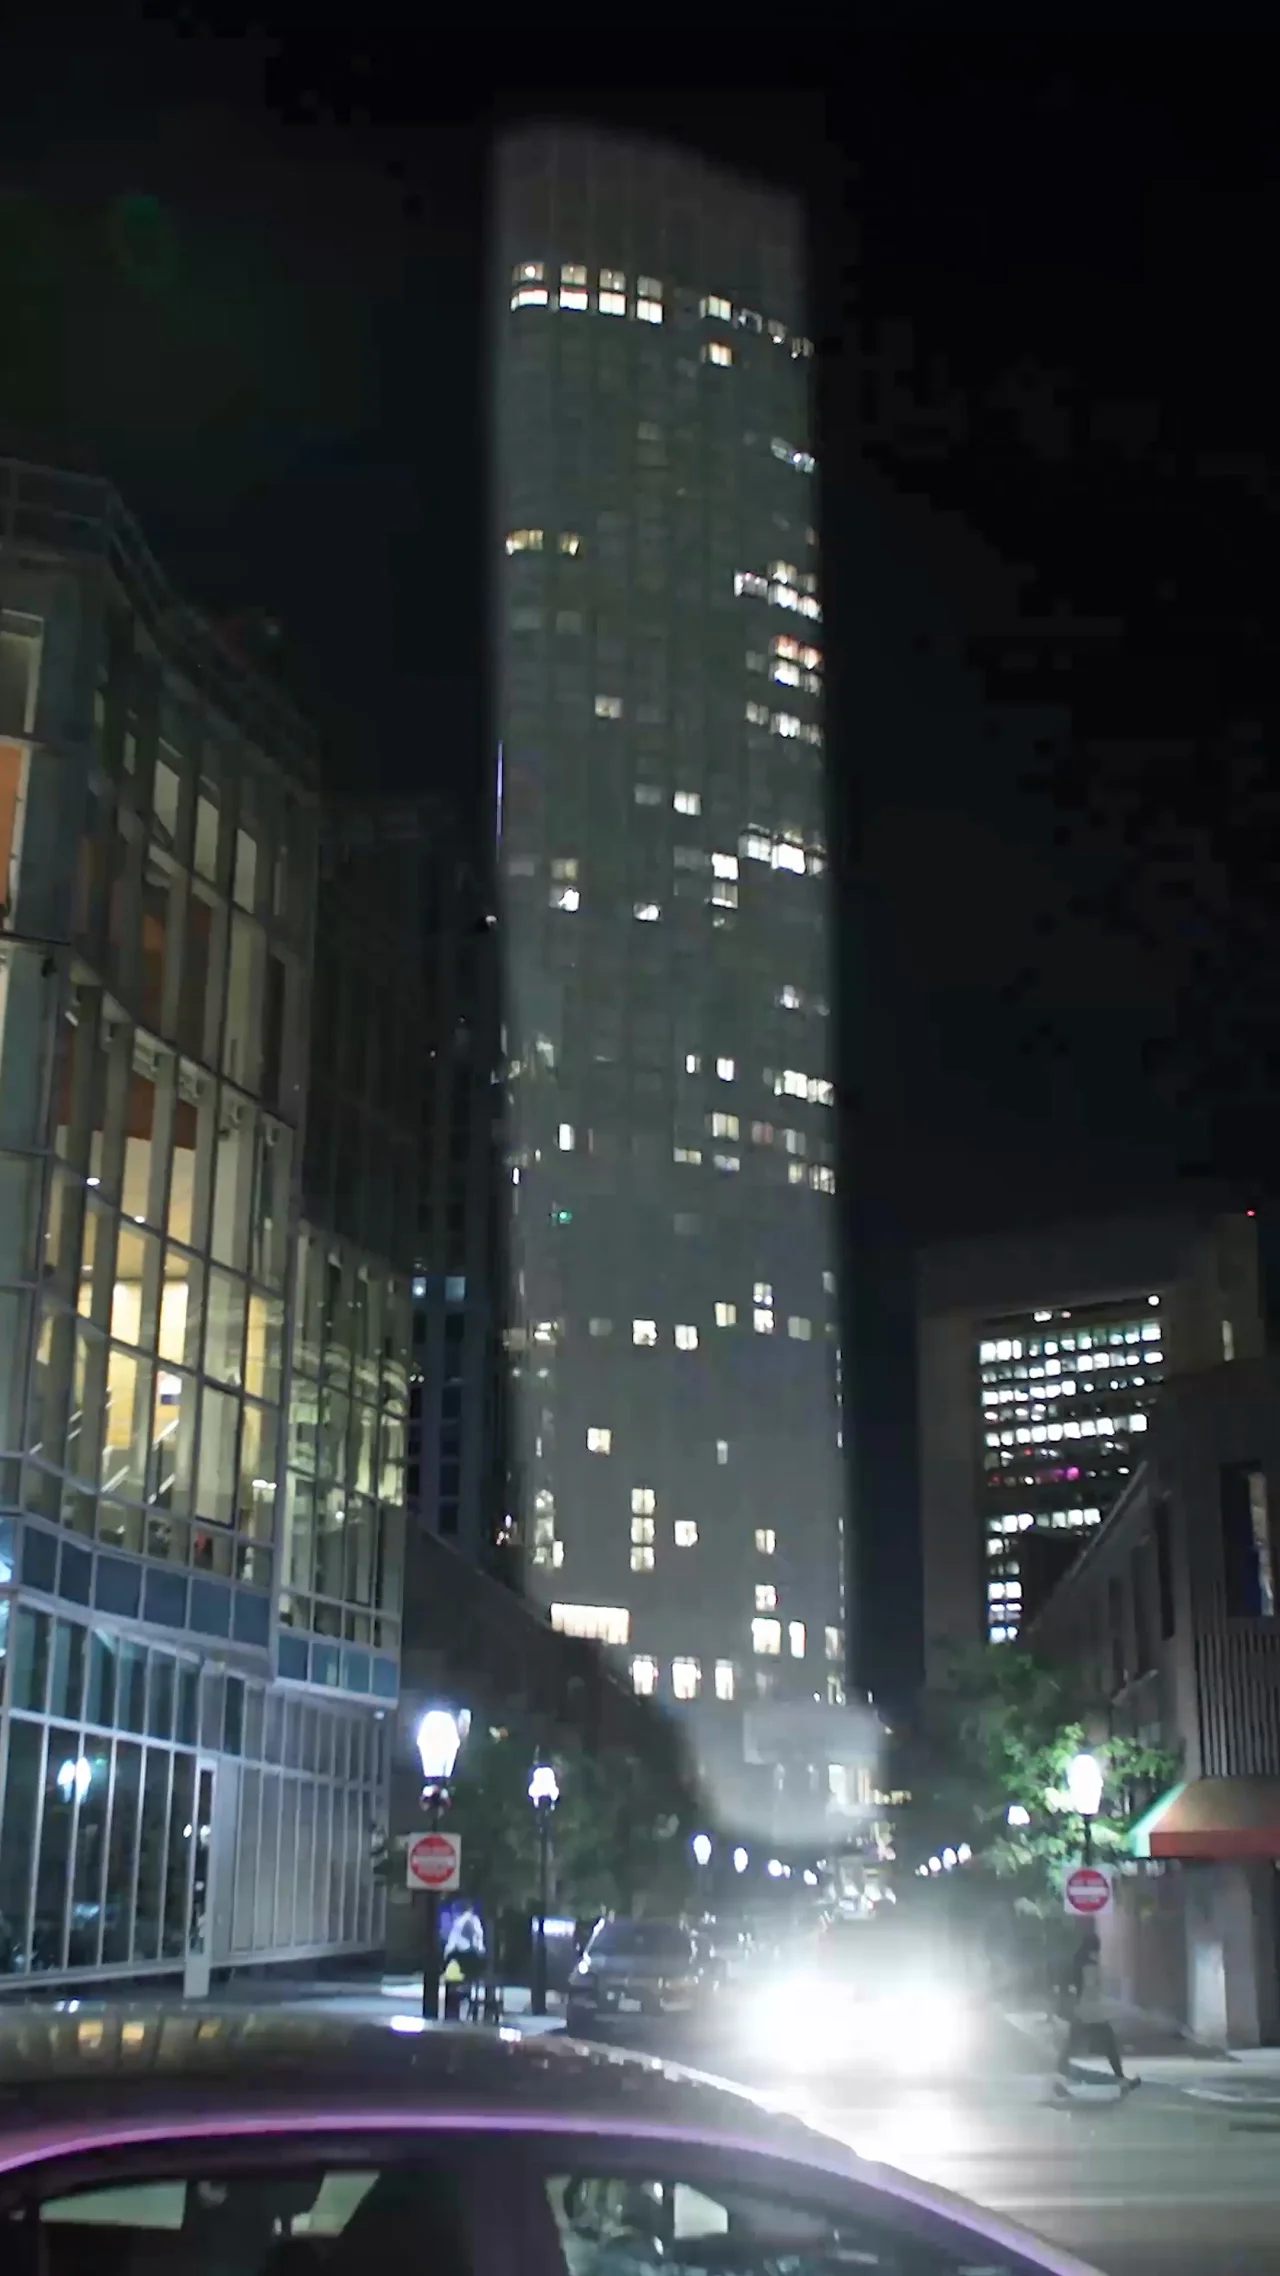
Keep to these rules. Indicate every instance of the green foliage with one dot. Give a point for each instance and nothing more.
(1003, 1730)
(615, 1834)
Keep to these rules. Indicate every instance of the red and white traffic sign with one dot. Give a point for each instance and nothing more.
(1086, 1891)
(434, 1861)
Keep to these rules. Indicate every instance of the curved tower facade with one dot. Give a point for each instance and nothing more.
(658, 653)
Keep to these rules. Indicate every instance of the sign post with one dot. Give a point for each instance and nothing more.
(434, 1862)
(1087, 1891)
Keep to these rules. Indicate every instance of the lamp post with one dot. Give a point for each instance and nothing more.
(544, 1793)
(439, 1737)
(1084, 1785)
(701, 1847)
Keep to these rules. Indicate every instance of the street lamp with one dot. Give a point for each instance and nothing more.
(544, 1793)
(438, 1738)
(740, 1861)
(701, 1846)
(1017, 1814)
(1084, 1786)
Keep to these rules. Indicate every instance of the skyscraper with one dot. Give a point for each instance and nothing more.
(663, 857)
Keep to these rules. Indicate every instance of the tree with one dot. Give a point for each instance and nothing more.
(1002, 1731)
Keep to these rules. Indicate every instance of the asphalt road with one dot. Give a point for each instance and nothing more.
(1182, 2178)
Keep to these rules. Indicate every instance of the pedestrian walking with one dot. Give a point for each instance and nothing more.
(1090, 2030)
(464, 1955)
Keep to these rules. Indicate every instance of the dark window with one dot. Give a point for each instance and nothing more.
(1248, 1571)
(1143, 1656)
(1116, 1626)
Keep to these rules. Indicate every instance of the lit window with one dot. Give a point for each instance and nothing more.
(758, 714)
(644, 1331)
(716, 352)
(686, 1533)
(647, 912)
(822, 1180)
(686, 1338)
(762, 1134)
(787, 675)
(723, 1125)
(643, 1500)
(569, 541)
(785, 723)
(566, 867)
(762, 1320)
(687, 801)
(600, 1623)
(766, 1638)
(796, 1639)
(726, 1315)
(649, 288)
(600, 1327)
(724, 1679)
(649, 311)
(724, 896)
(762, 1293)
(644, 1675)
(642, 1560)
(692, 1063)
(612, 280)
(608, 707)
(642, 1529)
(750, 582)
(599, 1442)
(786, 854)
(524, 541)
(686, 1678)
(713, 304)
(571, 297)
(766, 1597)
(565, 1138)
(834, 1644)
(687, 1154)
(799, 1330)
(529, 296)
(565, 897)
(722, 1451)
(729, 1163)
(766, 1540)
(528, 272)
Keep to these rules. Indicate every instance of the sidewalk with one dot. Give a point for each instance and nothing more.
(374, 1998)
(1143, 2036)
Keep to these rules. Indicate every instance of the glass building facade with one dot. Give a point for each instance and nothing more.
(158, 834)
(662, 848)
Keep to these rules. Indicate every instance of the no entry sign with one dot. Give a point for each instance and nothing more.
(434, 1861)
(1086, 1891)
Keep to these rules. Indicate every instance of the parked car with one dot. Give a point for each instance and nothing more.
(637, 1968)
(185, 2142)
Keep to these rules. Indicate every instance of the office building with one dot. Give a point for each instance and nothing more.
(665, 921)
(1169, 1620)
(170, 1805)
(1040, 1357)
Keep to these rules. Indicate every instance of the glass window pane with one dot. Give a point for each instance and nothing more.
(216, 1481)
(160, 1696)
(17, 1840)
(90, 1859)
(151, 1852)
(29, 1662)
(183, 1837)
(264, 1353)
(191, 1169)
(181, 1309)
(100, 1701)
(286, 1873)
(136, 1288)
(117, 1938)
(173, 1425)
(67, 1679)
(259, 1452)
(131, 1684)
(242, 1034)
(128, 1419)
(246, 1861)
(54, 1863)
(234, 1179)
(224, 1329)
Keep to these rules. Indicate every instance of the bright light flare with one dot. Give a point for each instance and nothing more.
(805, 2025)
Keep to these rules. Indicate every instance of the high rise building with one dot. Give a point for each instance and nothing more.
(1040, 1357)
(663, 856)
(192, 1761)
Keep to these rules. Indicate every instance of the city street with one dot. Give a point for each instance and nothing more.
(1180, 2179)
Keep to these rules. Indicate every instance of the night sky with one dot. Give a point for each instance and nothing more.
(240, 274)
